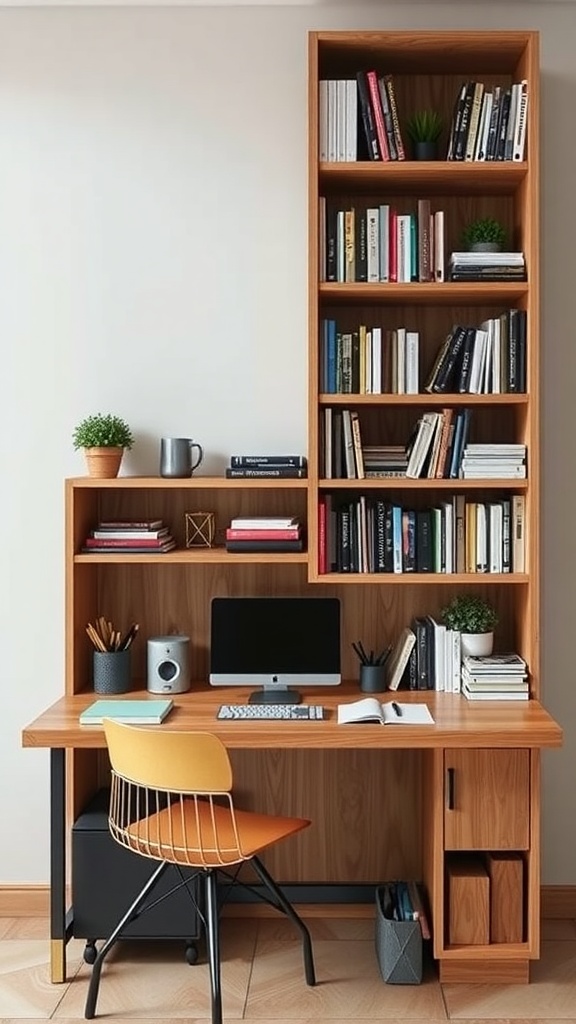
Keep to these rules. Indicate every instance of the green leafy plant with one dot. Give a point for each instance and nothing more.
(424, 126)
(100, 431)
(469, 613)
(486, 229)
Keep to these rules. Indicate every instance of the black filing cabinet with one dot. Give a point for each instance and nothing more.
(106, 878)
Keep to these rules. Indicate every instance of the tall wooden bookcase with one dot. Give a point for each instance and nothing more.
(384, 812)
(428, 69)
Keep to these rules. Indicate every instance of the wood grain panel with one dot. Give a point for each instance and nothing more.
(491, 809)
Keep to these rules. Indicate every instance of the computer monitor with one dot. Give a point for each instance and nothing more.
(275, 643)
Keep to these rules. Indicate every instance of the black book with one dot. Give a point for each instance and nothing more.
(256, 546)
(388, 539)
(461, 135)
(445, 375)
(331, 243)
(367, 116)
(388, 122)
(263, 472)
(255, 461)
(418, 627)
(456, 120)
(516, 381)
(355, 376)
(502, 129)
(423, 541)
(344, 549)
(361, 246)
(465, 363)
(408, 540)
(380, 544)
(521, 361)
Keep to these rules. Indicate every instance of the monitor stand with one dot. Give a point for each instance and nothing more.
(274, 695)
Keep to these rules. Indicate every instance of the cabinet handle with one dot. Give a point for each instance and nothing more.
(451, 780)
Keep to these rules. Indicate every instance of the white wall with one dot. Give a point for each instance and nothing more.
(152, 263)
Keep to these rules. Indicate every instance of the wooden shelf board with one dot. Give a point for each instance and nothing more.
(408, 483)
(408, 52)
(423, 398)
(415, 578)
(437, 177)
(202, 556)
(192, 483)
(451, 293)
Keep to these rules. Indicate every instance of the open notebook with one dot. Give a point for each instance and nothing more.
(393, 713)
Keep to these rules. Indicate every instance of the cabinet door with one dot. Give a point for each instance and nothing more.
(486, 799)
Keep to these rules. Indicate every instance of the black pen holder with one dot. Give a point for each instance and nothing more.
(111, 672)
(372, 678)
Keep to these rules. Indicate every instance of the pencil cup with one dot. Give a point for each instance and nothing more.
(372, 678)
(111, 671)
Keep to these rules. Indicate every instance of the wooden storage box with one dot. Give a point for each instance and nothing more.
(468, 901)
(506, 873)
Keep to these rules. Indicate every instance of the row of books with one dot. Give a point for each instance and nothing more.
(487, 266)
(370, 535)
(377, 243)
(434, 450)
(368, 361)
(291, 467)
(358, 119)
(489, 359)
(146, 536)
(264, 533)
(489, 125)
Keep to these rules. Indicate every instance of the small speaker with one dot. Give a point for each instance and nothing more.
(168, 664)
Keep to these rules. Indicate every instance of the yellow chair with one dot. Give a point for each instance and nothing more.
(171, 800)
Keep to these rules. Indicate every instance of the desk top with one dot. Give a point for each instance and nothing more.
(457, 723)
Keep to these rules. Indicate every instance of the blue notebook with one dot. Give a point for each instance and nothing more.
(135, 712)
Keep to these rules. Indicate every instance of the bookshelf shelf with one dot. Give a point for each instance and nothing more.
(202, 556)
(348, 201)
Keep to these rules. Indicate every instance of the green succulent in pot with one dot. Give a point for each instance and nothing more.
(486, 231)
(425, 126)
(104, 439)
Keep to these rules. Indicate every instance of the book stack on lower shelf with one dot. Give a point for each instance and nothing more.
(495, 677)
(136, 537)
(265, 534)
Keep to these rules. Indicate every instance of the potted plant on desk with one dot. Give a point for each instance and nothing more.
(103, 439)
(474, 618)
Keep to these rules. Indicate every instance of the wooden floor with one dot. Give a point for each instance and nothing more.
(263, 980)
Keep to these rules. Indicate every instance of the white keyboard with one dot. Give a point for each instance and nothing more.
(291, 712)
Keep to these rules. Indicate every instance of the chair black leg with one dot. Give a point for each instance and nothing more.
(92, 996)
(288, 909)
(213, 942)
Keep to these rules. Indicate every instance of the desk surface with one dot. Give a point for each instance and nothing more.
(457, 723)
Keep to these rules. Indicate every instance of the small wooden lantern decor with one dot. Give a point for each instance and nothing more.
(200, 529)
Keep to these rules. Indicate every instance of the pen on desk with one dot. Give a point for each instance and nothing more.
(397, 709)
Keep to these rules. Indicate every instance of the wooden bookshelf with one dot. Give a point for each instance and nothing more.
(508, 191)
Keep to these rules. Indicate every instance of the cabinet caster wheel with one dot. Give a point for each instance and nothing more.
(191, 954)
(90, 952)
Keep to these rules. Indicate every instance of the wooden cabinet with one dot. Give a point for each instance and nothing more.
(487, 800)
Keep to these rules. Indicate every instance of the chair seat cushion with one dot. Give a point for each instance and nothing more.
(200, 833)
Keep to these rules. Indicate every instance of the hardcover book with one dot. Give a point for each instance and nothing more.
(134, 712)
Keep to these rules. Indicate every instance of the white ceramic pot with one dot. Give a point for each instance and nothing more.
(478, 645)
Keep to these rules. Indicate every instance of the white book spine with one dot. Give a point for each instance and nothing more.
(373, 244)
(483, 141)
(521, 120)
(401, 360)
(323, 120)
(456, 661)
(412, 358)
(341, 121)
(439, 265)
(384, 228)
(332, 120)
(351, 120)
(376, 339)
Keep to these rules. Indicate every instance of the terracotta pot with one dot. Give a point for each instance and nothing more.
(103, 463)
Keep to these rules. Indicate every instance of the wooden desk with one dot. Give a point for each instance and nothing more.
(495, 748)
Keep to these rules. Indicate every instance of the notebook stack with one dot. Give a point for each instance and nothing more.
(487, 266)
(146, 536)
(268, 533)
(495, 677)
(493, 461)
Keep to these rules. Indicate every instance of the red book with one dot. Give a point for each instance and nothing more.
(378, 114)
(393, 246)
(291, 533)
(126, 542)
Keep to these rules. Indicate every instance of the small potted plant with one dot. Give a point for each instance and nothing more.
(103, 439)
(484, 235)
(424, 129)
(474, 618)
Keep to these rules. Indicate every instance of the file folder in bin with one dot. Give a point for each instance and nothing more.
(398, 947)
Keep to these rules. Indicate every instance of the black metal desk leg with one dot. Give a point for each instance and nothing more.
(58, 935)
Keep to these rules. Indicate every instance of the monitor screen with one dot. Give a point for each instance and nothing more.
(275, 643)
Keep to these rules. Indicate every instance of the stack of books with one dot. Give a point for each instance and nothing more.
(487, 266)
(384, 460)
(495, 461)
(495, 677)
(268, 533)
(136, 537)
(263, 466)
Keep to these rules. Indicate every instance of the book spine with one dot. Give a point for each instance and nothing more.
(126, 542)
(245, 461)
(394, 115)
(367, 118)
(286, 472)
(257, 546)
(292, 533)
(378, 114)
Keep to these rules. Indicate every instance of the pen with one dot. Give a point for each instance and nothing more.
(397, 709)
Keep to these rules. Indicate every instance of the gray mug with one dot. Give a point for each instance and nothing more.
(177, 458)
